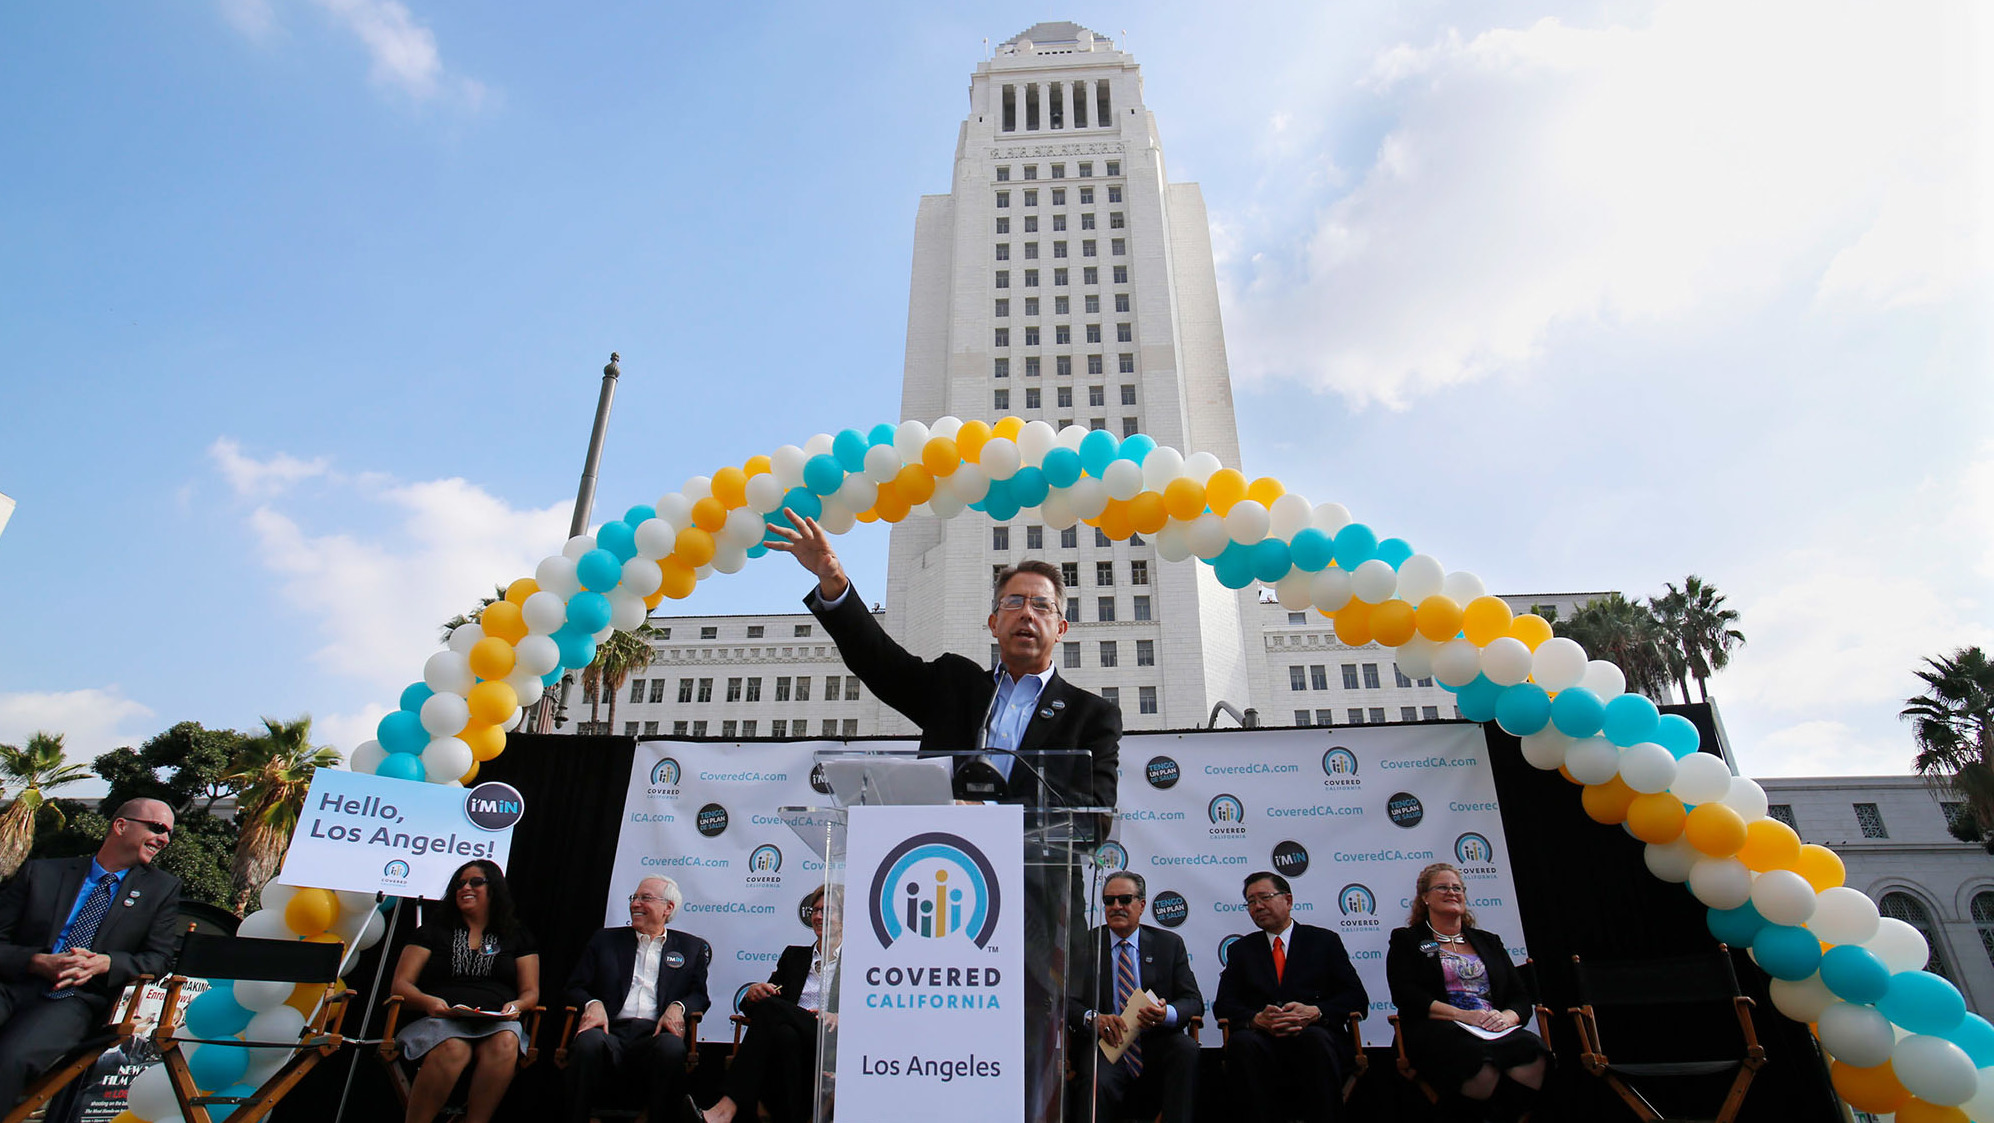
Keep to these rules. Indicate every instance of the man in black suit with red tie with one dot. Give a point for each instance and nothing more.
(634, 987)
(74, 932)
(1282, 990)
(1160, 1068)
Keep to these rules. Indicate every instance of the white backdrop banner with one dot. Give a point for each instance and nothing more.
(1347, 815)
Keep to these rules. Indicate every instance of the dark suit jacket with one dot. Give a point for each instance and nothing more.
(792, 970)
(1417, 982)
(950, 697)
(141, 933)
(604, 969)
(1163, 969)
(1318, 973)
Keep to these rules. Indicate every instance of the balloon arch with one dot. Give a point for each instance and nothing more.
(1901, 1038)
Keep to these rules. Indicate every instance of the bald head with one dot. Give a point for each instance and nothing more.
(140, 829)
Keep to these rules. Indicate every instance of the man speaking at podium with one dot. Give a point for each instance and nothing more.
(1020, 706)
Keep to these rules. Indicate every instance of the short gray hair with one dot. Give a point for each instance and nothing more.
(1043, 569)
(1141, 886)
(671, 892)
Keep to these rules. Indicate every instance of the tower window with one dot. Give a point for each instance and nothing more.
(1003, 173)
(1031, 171)
(1031, 397)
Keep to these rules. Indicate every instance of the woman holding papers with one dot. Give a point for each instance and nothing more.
(1462, 1003)
(468, 973)
(777, 1061)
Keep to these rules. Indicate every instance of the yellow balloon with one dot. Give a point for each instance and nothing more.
(1569, 778)
(655, 599)
(867, 516)
(693, 546)
(311, 911)
(1821, 866)
(1184, 499)
(1439, 618)
(1769, 845)
(1265, 491)
(493, 702)
(492, 657)
(1008, 428)
(486, 741)
(939, 457)
(709, 515)
(305, 996)
(1393, 622)
(1353, 624)
(1715, 829)
(1225, 488)
(1915, 1110)
(1115, 521)
(1875, 1090)
(1147, 513)
(469, 775)
(914, 484)
(891, 505)
(757, 465)
(126, 1117)
(730, 487)
(969, 440)
(519, 590)
(1656, 818)
(1485, 620)
(503, 619)
(1609, 802)
(1531, 628)
(678, 577)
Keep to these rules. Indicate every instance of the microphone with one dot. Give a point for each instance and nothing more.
(976, 778)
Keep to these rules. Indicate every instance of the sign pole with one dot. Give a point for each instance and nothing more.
(373, 992)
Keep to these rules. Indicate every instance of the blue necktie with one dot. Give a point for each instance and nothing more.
(83, 929)
(1125, 985)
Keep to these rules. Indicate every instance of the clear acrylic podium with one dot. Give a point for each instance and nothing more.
(1059, 842)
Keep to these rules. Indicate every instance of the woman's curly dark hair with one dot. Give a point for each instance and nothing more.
(500, 916)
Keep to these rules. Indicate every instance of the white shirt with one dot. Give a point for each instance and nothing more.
(642, 1001)
(1287, 938)
(1010, 712)
(812, 995)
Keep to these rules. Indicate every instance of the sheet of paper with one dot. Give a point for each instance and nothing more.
(1138, 1001)
(1486, 1034)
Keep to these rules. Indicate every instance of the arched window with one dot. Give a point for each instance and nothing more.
(1910, 910)
(1983, 920)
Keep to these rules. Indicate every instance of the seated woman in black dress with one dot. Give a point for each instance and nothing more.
(778, 1055)
(1446, 975)
(472, 956)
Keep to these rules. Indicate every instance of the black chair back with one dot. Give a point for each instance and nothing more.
(240, 957)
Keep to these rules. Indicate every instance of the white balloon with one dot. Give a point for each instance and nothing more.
(1293, 590)
(1934, 1069)
(266, 924)
(538, 653)
(945, 505)
(445, 715)
(1842, 915)
(544, 613)
(1071, 436)
(276, 897)
(1420, 577)
(1701, 778)
(1749, 801)
(969, 483)
(1331, 517)
(260, 995)
(743, 528)
(819, 444)
(150, 1095)
(727, 558)
(1455, 663)
(575, 547)
(446, 758)
(1545, 749)
(1802, 999)
(701, 573)
(1057, 512)
(1593, 760)
(1172, 544)
(1000, 457)
(1783, 897)
(909, 440)
(1037, 439)
(655, 539)
(1900, 946)
(947, 426)
(1672, 860)
(1415, 658)
(280, 1023)
(786, 464)
(352, 904)
(1123, 479)
(376, 927)
(464, 637)
(1558, 664)
(675, 509)
(1981, 1106)
(1461, 587)
(1505, 660)
(626, 610)
(764, 493)
(1089, 496)
(556, 577)
(367, 757)
(1330, 590)
(1199, 466)
(1290, 513)
(1162, 465)
(697, 488)
(526, 685)
(835, 519)
(1604, 680)
(1648, 768)
(1374, 581)
(1206, 535)
(1247, 523)
(1720, 883)
(641, 578)
(447, 672)
(1855, 1035)
(607, 631)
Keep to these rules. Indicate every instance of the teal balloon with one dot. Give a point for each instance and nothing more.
(1976, 1036)
(1787, 951)
(758, 549)
(1677, 734)
(849, 447)
(806, 505)
(1355, 545)
(1097, 451)
(577, 648)
(1311, 549)
(1735, 927)
(1630, 719)
(218, 1066)
(880, 434)
(1000, 501)
(1922, 1002)
(414, 695)
(588, 613)
(219, 1112)
(598, 570)
(215, 1013)
(620, 539)
(1029, 487)
(401, 733)
(822, 474)
(1394, 552)
(1577, 712)
(1234, 567)
(1062, 467)
(1270, 559)
(401, 766)
(640, 514)
(1136, 447)
(551, 677)
(1855, 974)
(1523, 709)
(1478, 699)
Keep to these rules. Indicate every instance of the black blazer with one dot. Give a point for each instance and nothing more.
(1318, 973)
(1163, 969)
(949, 698)
(1417, 982)
(141, 933)
(603, 972)
(792, 970)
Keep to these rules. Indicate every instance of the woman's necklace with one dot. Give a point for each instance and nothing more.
(1457, 938)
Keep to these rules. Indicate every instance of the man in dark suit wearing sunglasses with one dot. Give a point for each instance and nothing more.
(1159, 1070)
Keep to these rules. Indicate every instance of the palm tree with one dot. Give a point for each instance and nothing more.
(615, 659)
(1953, 725)
(37, 768)
(1626, 634)
(1701, 627)
(460, 619)
(1671, 613)
(273, 771)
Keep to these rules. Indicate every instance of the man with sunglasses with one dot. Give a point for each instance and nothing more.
(73, 932)
(1160, 1068)
(1017, 707)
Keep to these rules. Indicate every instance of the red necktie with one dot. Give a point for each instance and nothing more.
(1280, 959)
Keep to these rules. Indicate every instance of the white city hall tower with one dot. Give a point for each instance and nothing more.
(1063, 278)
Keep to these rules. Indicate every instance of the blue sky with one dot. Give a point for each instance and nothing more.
(303, 305)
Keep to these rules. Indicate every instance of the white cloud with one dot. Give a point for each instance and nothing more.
(347, 732)
(91, 721)
(261, 478)
(404, 51)
(255, 19)
(1671, 173)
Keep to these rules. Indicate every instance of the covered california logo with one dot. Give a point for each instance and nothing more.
(934, 886)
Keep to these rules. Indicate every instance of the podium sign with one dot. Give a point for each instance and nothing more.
(931, 988)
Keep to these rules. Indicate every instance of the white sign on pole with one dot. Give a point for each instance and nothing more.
(931, 985)
(375, 834)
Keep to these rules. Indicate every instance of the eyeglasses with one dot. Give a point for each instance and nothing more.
(474, 883)
(1262, 898)
(1119, 898)
(815, 910)
(156, 828)
(1449, 890)
(1044, 606)
(647, 898)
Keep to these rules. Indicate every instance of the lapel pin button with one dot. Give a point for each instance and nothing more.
(1058, 704)
(1045, 713)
